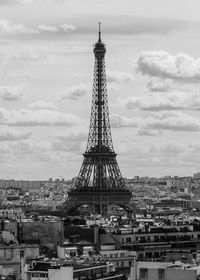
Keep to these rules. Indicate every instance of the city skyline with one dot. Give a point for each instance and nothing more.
(153, 71)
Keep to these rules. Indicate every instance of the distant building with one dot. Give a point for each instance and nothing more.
(196, 175)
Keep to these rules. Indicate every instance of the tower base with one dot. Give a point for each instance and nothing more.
(100, 199)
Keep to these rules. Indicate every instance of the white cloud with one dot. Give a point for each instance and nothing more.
(74, 93)
(67, 27)
(161, 64)
(119, 77)
(41, 105)
(12, 93)
(27, 117)
(155, 101)
(8, 27)
(47, 28)
(27, 56)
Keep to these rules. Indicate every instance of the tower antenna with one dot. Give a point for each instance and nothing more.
(99, 31)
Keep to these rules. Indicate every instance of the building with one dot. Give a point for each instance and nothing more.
(45, 233)
(167, 271)
(13, 258)
(65, 270)
(153, 242)
(123, 260)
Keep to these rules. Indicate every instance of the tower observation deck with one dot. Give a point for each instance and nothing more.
(100, 182)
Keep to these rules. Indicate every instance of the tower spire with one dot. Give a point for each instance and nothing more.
(99, 31)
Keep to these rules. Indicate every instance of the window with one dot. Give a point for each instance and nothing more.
(43, 275)
(128, 240)
(21, 254)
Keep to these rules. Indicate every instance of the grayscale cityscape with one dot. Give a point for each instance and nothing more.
(99, 140)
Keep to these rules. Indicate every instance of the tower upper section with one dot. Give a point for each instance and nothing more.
(99, 47)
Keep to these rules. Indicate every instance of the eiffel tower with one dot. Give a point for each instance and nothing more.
(100, 182)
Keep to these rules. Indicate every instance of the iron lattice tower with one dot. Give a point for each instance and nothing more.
(100, 181)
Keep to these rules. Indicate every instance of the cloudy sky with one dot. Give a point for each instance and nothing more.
(46, 72)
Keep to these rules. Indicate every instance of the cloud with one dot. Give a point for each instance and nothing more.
(75, 93)
(119, 77)
(27, 56)
(157, 122)
(72, 141)
(170, 149)
(73, 136)
(26, 2)
(41, 105)
(68, 147)
(47, 28)
(8, 27)
(174, 121)
(161, 64)
(12, 93)
(118, 121)
(12, 135)
(158, 85)
(67, 27)
(27, 117)
(154, 101)
(50, 28)
(148, 132)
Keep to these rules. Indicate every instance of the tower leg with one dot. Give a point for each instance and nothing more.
(101, 208)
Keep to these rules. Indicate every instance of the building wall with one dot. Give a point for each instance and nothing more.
(12, 256)
(49, 233)
(89, 234)
(166, 274)
(64, 273)
(11, 226)
(15, 252)
(151, 237)
(12, 268)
